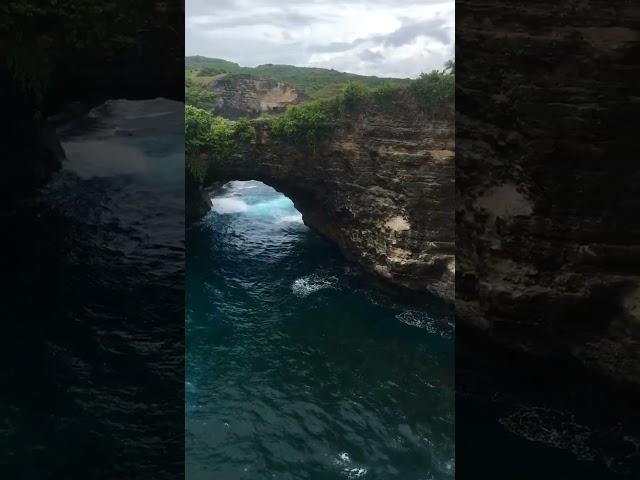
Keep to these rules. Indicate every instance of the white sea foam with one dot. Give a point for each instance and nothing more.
(309, 284)
(343, 458)
(348, 469)
(241, 185)
(228, 205)
(417, 318)
(355, 472)
(295, 218)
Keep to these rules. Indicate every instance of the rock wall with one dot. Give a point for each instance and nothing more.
(381, 187)
(248, 97)
(548, 232)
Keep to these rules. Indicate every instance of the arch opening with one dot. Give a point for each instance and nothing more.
(253, 197)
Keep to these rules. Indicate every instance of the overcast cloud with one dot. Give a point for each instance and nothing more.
(397, 38)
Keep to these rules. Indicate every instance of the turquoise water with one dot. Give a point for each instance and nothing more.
(295, 369)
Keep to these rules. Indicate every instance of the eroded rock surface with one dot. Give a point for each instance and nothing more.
(249, 97)
(548, 231)
(381, 186)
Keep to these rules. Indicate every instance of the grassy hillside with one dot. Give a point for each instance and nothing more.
(198, 62)
(311, 82)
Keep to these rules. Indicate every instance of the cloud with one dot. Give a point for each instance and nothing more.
(371, 56)
(382, 37)
(282, 19)
(338, 46)
(208, 7)
(434, 28)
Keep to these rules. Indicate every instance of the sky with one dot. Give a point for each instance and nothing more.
(388, 38)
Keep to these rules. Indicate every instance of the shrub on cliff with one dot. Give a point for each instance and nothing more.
(213, 137)
(386, 92)
(308, 123)
(197, 128)
(209, 72)
(434, 87)
(353, 95)
(199, 97)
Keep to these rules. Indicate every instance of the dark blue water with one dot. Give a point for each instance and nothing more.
(295, 369)
(93, 269)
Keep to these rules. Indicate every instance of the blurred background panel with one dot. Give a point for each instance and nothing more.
(547, 239)
(93, 239)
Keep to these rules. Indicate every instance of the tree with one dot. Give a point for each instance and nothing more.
(450, 66)
(199, 97)
(433, 87)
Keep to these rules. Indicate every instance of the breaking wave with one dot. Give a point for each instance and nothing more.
(309, 284)
(224, 205)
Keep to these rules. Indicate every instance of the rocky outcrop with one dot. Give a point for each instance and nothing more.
(239, 96)
(548, 233)
(381, 186)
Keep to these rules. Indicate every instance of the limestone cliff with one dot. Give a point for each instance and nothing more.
(547, 236)
(381, 186)
(239, 96)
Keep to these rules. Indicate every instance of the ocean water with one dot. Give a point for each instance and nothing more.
(93, 270)
(295, 368)
(520, 421)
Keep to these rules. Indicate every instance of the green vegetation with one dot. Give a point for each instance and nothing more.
(209, 72)
(198, 96)
(386, 92)
(327, 84)
(310, 81)
(434, 87)
(306, 123)
(450, 66)
(214, 136)
(353, 95)
(315, 83)
(198, 62)
(312, 121)
(193, 77)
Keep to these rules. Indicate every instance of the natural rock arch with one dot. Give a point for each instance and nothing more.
(381, 187)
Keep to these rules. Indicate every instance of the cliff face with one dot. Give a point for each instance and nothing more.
(381, 187)
(547, 236)
(248, 97)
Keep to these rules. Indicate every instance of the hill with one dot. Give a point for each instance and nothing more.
(310, 82)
